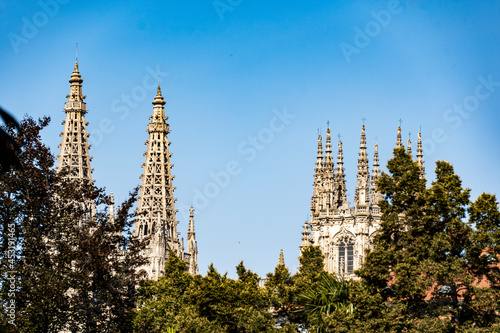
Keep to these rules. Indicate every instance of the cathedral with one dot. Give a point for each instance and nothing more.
(343, 232)
(155, 212)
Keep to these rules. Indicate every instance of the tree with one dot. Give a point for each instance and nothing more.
(311, 267)
(427, 259)
(279, 285)
(213, 303)
(61, 267)
(160, 301)
(327, 296)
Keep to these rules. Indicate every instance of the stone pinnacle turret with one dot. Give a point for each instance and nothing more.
(192, 245)
(375, 195)
(420, 155)
(281, 260)
(363, 176)
(399, 143)
(341, 190)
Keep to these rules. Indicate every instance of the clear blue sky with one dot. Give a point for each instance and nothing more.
(228, 66)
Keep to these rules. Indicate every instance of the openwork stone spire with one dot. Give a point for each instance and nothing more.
(363, 176)
(192, 245)
(74, 152)
(156, 211)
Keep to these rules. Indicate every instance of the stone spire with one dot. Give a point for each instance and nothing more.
(156, 211)
(399, 144)
(409, 146)
(361, 195)
(281, 260)
(420, 155)
(306, 240)
(375, 194)
(318, 180)
(328, 175)
(341, 191)
(192, 245)
(112, 208)
(74, 153)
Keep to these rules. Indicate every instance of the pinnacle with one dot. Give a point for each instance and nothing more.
(159, 98)
(281, 260)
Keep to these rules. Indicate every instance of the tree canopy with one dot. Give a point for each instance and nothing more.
(63, 264)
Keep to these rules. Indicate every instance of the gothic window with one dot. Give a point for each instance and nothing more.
(346, 256)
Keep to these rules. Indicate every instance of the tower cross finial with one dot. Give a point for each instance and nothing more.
(409, 135)
(376, 138)
(420, 129)
(400, 121)
(328, 123)
(76, 50)
(363, 120)
(339, 136)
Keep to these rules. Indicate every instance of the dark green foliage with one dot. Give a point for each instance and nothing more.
(279, 286)
(203, 304)
(329, 295)
(428, 259)
(71, 272)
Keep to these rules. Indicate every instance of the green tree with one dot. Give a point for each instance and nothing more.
(328, 295)
(311, 267)
(427, 258)
(279, 285)
(61, 269)
(213, 303)
(161, 301)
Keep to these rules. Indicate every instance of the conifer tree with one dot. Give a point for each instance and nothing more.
(427, 258)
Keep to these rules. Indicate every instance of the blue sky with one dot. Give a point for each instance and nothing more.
(247, 84)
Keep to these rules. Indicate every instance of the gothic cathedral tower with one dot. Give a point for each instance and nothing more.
(156, 211)
(343, 232)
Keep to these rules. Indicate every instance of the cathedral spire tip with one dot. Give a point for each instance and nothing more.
(158, 98)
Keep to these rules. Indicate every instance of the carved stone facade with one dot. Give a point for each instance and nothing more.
(344, 232)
